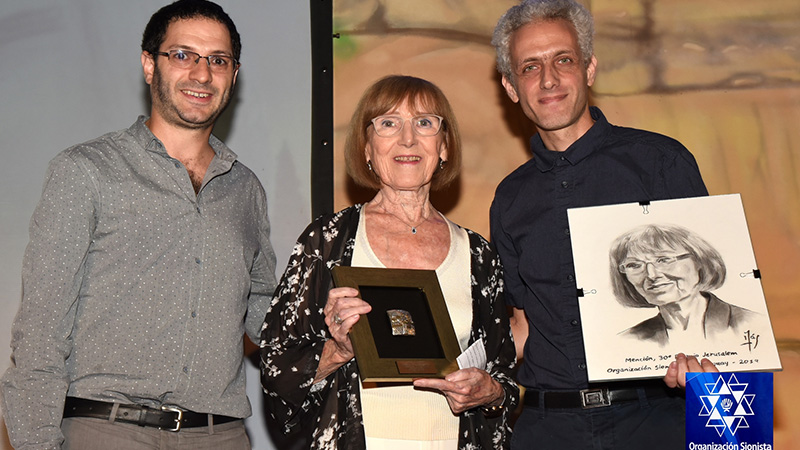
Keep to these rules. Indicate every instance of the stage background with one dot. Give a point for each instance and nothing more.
(71, 72)
(723, 77)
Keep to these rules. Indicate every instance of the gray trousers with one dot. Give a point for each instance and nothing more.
(83, 433)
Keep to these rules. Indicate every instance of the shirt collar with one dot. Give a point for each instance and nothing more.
(151, 143)
(545, 159)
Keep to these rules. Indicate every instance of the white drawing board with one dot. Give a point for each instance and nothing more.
(686, 282)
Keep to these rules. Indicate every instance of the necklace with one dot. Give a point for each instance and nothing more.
(413, 227)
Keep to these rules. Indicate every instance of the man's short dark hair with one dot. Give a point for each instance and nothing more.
(156, 29)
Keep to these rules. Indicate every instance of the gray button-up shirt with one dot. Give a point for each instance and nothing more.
(136, 289)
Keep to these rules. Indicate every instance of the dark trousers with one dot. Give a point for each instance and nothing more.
(652, 424)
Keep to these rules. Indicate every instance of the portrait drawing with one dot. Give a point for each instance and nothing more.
(666, 277)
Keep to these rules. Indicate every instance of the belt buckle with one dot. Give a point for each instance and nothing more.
(594, 398)
(177, 410)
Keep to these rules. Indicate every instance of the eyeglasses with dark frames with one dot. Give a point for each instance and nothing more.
(185, 59)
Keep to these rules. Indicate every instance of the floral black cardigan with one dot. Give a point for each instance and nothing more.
(294, 333)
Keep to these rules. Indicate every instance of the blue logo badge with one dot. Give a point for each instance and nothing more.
(729, 411)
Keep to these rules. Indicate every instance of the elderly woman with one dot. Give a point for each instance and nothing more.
(403, 141)
(673, 269)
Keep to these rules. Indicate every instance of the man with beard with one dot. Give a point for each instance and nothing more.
(149, 257)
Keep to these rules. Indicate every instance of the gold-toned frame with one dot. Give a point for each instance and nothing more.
(371, 366)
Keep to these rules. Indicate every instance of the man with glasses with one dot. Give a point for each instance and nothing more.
(149, 259)
(545, 57)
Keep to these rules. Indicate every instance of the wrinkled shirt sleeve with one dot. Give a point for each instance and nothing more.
(681, 175)
(34, 388)
(262, 275)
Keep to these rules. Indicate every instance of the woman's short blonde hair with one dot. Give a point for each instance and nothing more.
(382, 97)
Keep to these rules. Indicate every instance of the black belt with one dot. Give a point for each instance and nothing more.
(590, 398)
(168, 417)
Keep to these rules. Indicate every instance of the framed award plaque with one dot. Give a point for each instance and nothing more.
(408, 334)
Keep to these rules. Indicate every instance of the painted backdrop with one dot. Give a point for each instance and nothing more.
(723, 77)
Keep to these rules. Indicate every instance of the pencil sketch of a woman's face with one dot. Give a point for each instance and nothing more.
(674, 270)
(664, 276)
(660, 264)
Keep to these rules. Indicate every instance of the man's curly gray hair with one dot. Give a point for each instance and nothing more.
(529, 11)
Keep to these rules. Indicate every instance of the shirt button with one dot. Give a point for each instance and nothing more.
(185, 369)
(563, 159)
(582, 366)
(564, 184)
(177, 165)
(198, 210)
(570, 277)
(574, 322)
(566, 231)
(197, 260)
(194, 313)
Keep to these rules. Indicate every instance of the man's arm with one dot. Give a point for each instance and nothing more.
(682, 175)
(262, 275)
(513, 285)
(34, 388)
(519, 328)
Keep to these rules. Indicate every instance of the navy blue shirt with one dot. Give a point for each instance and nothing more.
(607, 165)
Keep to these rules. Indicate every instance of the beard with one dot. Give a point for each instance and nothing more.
(162, 97)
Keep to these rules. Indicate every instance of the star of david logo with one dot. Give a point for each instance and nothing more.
(726, 405)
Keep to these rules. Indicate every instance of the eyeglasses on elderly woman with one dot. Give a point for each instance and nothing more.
(662, 263)
(423, 124)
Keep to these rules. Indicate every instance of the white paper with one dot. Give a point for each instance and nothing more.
(474, 356)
